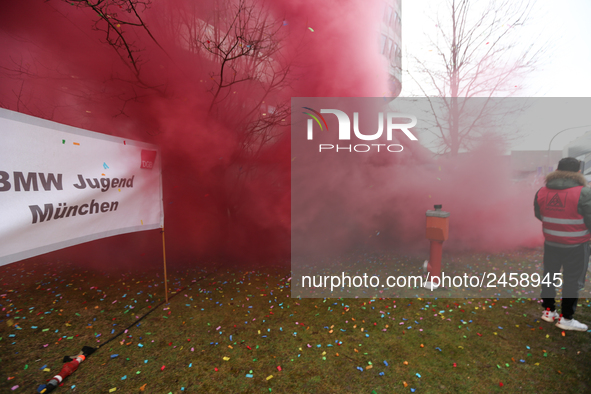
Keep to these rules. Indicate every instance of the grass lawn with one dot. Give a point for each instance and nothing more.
(239, 331)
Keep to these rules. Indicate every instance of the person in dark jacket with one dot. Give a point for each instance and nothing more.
(564, 207)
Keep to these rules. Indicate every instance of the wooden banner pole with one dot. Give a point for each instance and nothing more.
(165, 278)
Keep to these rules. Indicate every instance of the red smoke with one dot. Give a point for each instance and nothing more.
(219, 202)
(347, 200)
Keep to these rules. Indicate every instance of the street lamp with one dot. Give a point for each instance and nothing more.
(550, 144)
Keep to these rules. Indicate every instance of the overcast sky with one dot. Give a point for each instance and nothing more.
(565, 72)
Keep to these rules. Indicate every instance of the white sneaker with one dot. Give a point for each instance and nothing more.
(550, 316)
(572, 324)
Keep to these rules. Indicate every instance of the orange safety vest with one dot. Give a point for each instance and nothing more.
(561, 222)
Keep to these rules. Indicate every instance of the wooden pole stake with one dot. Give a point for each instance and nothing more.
(165, 278)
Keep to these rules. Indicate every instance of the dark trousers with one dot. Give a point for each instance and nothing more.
(574, 262)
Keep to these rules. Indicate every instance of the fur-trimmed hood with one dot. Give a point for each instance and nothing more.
(565, 179)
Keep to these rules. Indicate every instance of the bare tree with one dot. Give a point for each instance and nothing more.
(238, 41)
(116, 18)
(242, 43)
(479, 54)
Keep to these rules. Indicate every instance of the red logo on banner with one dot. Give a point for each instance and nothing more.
(148, 159)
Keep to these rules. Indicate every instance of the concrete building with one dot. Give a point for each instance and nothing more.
(390, 40)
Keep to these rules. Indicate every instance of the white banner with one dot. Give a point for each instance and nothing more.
(61, 186)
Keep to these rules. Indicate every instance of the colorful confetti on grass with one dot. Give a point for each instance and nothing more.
(241, 330)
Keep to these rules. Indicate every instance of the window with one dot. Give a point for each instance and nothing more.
(382, 43)
(388, 48)
(388, 14)
(394, 52)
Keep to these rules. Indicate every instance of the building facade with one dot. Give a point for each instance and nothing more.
(389, 45)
